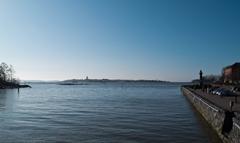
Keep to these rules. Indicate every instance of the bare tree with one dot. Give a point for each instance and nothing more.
(11, 73)
(6, 72)
(1, 73)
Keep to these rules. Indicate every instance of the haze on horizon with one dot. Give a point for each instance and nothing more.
(119, 39)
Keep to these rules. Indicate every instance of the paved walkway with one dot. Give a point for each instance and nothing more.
(222, 102)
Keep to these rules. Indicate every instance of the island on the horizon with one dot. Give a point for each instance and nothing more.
(88, 81)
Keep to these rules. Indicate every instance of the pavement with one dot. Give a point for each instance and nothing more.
(219, 101)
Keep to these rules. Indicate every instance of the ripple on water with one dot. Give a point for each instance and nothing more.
(100, 113)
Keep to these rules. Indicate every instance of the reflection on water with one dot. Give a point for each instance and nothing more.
(140, 113)
(3, 96)
(7, 98)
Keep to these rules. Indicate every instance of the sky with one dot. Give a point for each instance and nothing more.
(119, 39)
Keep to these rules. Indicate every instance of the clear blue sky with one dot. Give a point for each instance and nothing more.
(119, 39)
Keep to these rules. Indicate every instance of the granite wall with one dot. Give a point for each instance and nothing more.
(225, 123)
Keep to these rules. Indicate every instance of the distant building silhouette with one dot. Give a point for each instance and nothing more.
(231, 74)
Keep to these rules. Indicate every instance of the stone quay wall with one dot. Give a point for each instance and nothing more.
(225, 123)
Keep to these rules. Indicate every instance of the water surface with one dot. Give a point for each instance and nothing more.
(101, 113)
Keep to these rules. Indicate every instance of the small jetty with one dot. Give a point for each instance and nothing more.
(8, 85)
(24, 86)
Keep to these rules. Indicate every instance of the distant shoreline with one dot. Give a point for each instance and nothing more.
(89, 81)
(112, 80)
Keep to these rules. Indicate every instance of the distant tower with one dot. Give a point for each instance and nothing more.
(201, 78)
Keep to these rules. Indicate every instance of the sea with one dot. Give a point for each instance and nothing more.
(101, 112)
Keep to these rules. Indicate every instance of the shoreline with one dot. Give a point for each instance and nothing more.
(9, 85)
(226, 123)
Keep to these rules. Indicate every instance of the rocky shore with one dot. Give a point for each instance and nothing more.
(10, 85)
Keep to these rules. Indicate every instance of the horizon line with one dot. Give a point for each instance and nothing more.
(111, 79)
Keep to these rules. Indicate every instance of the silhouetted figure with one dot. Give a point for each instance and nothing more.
(18, 90)
(228, 122)
(201, 79)
(231, 103)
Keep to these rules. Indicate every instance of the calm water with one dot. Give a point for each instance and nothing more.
(101, 113)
